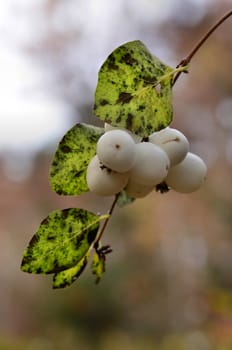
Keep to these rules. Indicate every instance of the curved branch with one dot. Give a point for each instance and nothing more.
(185, 61)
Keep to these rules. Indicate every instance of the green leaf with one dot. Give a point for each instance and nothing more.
(61, 241)
(65, 278)
(98, 265)
(124, 199)
(134, 90)
(68, 168)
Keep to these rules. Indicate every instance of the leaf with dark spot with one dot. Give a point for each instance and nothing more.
(98, 266)
(139, 90)
(75, 150)
(61, 241)
(124, 97)
(66, 277)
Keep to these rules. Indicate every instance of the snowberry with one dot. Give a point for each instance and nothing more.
(109, 127)
(188, 175)
(173, 142)
(137, 190)
(116, 150)
(151, 164)
(103, 181)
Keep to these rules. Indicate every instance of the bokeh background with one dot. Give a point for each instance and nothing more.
(168, 283)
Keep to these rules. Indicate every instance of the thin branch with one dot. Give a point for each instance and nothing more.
(186, 60)
(110, 212)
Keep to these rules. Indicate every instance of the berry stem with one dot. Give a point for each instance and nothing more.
(185, 61)
(110, 212)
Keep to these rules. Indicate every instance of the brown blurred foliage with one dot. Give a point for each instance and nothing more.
(168, 283)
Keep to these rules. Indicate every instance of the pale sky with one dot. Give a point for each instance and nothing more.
(29, 116)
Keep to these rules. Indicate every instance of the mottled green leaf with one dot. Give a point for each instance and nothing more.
(134, 90)
(98, 265)
(61, 241)
(124, 199)
(66, 277)
(68, 168)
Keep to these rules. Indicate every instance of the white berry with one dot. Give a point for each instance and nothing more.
(109, 127)
(173, 142)
(116, 150)
(188, 175)
(137, 190)
(103, 181)
(151, 164)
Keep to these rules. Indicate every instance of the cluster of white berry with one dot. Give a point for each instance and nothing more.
(126, 162)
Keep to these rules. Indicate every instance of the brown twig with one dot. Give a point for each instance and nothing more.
(185, 61)
(96, 244)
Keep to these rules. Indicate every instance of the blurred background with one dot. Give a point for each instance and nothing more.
(168, 283)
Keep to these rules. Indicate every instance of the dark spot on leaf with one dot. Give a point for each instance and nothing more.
(45, 221)
(67, 282)
(104, 102)
(38, 270)
(92, 235)
(160, 126)
(119, 119)
(79, 239)
(113, 66)
(79, 215)
(79, 173)
(141, 108)
(124, 97)
(129, 60)
(56, 267)
(60, 192)
(149, 127)
(65, 213)
(129, 120)
(84, 263)
(65, 148)
(150, 80)
(111, 63)
(51, 236)
(34, 240)
(25, 261)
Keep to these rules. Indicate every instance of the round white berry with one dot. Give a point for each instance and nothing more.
(151, 164)
(137, 190)
(103, 181)
(109, 127)
(188, 175)
(116, 150)
(173, 142)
